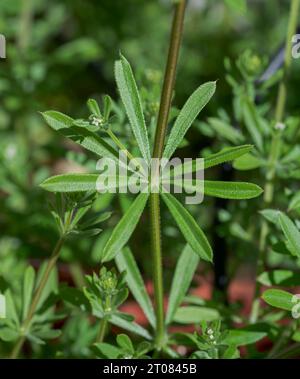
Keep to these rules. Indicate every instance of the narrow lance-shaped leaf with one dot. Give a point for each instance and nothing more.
(132, 103)
(189, 228)
(182, 278)
(291, 233)
(85, 182)
(28, 287)
(224, 190)
(125, 262)
(279, 299)
(130, 326)
(195, 103)
(71, 183)
(225, 130)
(194, 315)
(231, 190)
(225, 155)
(124, 229)
(251, 120)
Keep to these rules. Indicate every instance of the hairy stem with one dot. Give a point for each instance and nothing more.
(162, 122)
(275, 148)
(36, 298)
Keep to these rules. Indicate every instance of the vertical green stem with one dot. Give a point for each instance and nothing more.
(162, 122)
(36, 298)
(102, 330)
(275, 148)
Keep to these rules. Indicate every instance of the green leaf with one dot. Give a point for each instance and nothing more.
(11, 310)
(107, 350)
(94, 107)
(130, 326)
(224, 190)
(195, 315)
(125, 343)
(87, 139)
(237, 5)
(252, 123)
(124, 229)
(28, 287)
(231, 190)
(295, 202)
(132, 103)
(225, 130)
(238, 337)
(7, 334)
(231, 353)
(247, 162)
(189, 228)
(71, 183)
(125, 262)
(278, 299)
(284, 278)
(272, 215)
(291, 233)
(226, 155)
(182, 278)
(195, 103)
(57, 120)
(2, 306)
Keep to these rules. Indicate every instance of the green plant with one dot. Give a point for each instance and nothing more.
(145, 126)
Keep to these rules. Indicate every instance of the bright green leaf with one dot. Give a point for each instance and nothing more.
(124, 229)
(71, 183)
(195, 103)
(132, 103)
(190, 229)
(278, 299)
(231, 190)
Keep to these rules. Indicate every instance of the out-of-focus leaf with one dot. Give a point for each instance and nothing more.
(291, 233)
(185, 269)
(195, 315)
(247, 162)
(278, 299)
(279, 278)
(126, 262)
